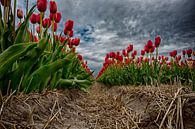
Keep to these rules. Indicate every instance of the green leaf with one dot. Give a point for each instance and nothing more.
(13, 53)
(41, 75)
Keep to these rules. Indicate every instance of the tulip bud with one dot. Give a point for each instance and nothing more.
(130, 48)
(157, 41)
(58, 17)
(55, 27)
(38, 29)
(71, 33)
(146, 48)
(152, 49)
(189, 52)
(142, 52)
(52, 16)
(38, 18)
(42, 5)
(150, 44)
(46, 23)
(19, 13)
(33, 19)
(80, 57)
(183, 52)
(77, 41)
(53, 7)
(69, 25)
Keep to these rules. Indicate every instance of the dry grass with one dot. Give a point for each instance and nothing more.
(165, 107)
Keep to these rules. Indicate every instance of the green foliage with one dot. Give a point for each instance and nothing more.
(27, 66)
(146, 74)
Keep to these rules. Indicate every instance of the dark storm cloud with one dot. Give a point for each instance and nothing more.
(109, 25)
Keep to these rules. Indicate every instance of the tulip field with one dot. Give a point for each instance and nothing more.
(127, 68)
(45, 83)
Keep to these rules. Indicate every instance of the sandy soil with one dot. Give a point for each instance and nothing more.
(102, 107)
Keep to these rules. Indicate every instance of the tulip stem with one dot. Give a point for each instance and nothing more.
(53, 35)
(5, 15)
(26, 7)
(14, 20)
(156, 54)
(33, 31)
(41, 24)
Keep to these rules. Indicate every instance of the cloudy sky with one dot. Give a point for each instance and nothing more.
(110, 25)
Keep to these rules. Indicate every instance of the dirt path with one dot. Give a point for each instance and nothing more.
(102, 107)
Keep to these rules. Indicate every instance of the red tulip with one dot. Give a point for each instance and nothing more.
(38, 29)
(55, 27)
(171, 54)
(174, 53)
(69, 25)
(53, 7)
(159, 57)
(130, 48)
(166, 58)
(184, 52)
(36, 39)
(46, 23)
(157, 41)
(178, 58)
(38, 18)
(42, 5)
(152, 49)
(70, 33)
(56, 37)
(80, 57)
(146, 48)
(19, 13)
(58, 17)
(33, 19)
(135, 52)
(75, 41)
(124, 53)
(120, 58)
(189, 52)
(52, 16)
(142, 52)
(112, 55)
(62, 39)
(150, 44)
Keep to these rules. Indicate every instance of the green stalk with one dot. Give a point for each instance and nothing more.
(5, 16)
(26, 7)
(53, 35)
(14, 21)
(41, 24)
(156, 54)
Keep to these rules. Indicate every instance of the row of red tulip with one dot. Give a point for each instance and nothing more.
(128, 56)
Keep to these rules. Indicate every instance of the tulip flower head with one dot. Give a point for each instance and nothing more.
(42, 5)
(53, 7)
(142, 52)
(130, 48)
(46, 23)
(69, 25)
(55, 26)
(58, 17)
(38, 29)
(33, 19)
(19, 13)
(189, 52)
(157, 41)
